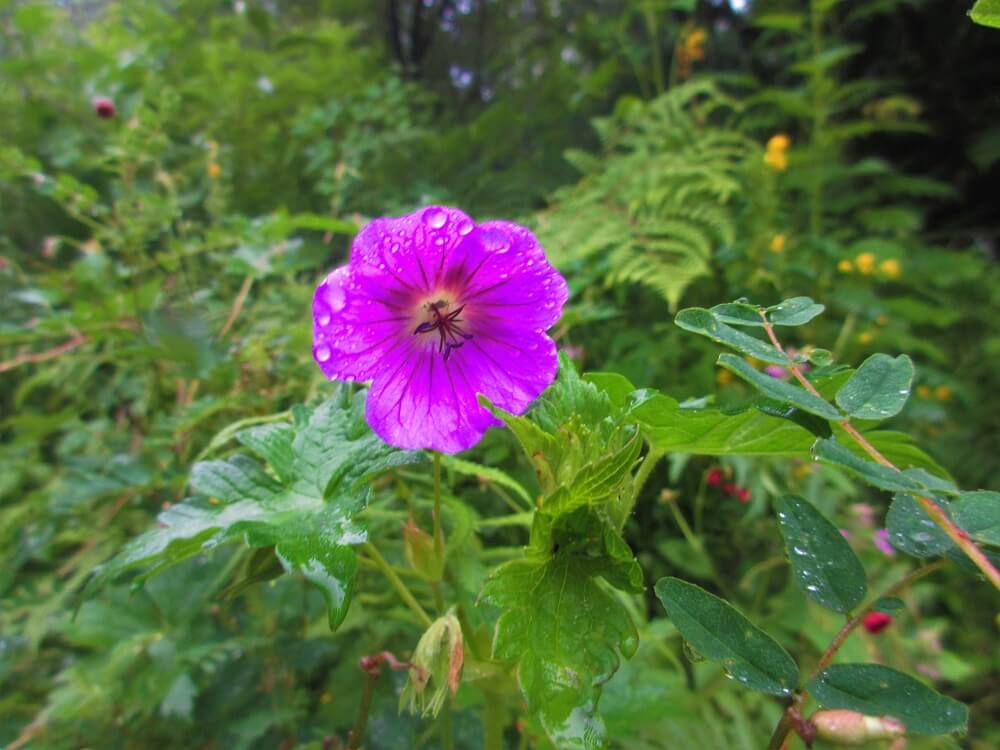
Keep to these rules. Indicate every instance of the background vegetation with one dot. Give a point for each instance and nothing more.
(158, 251)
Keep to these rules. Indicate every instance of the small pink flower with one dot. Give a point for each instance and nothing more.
(776, 371)
(865, 513)
(103, 107)
(743, 494)
(845, 533)
(881, 540)
(714, 478)
(876, 622)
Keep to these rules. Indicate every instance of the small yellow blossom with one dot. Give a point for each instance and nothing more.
(866, 338)
(777, 243)
(890, 268)
(779, 142)
(866, 263)
(776, 160)
(845, 266)
(723, 377)
(923, 391)
(942, 393)
(213, 170)
(690, 50)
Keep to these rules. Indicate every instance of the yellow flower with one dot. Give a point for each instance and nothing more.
(943, 393)
(213, 170)
(866, 262)
(845, 266)
(723, 377)
(866, 338)
(690, 49)
(890, 268)
(779, 142)
(777, 243)
(924, 391)
(776, 160)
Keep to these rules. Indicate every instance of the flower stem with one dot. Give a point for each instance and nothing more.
(438, 531)
(646, 468)
(492, 722)
(931, 508)
(397, 583)
(781, 731)
(358, 731)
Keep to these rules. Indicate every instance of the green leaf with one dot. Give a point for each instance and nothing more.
(821, 357)
(986, 12)
(304, 510)
(567, 635)
(718, 631)
(879, 388)
(778, 389)
(704, 322)
(796, 311)
(618, 388)
(912, 531)
(488, 473)
(878, 691)
(888, 604)
(828, 450)
(978, 513)
(822, 560)
(738, 313)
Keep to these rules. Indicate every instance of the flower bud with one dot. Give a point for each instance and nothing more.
(103, 107)
(876, 622)
(714, 477)
(436, 667)
(843, 727)
(418, 546)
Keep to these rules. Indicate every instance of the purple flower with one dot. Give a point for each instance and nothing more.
(776, 371)
(881, 540)
(434, 309)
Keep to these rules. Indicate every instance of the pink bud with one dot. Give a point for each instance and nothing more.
(876, 622)
(714, 478)
(103, 107)
(743, 494)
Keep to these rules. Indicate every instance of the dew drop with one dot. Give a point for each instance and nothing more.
(323, 319)
(464, 227)
(323, 353)
(435, 218)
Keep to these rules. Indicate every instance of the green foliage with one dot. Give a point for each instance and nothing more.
(879, 388)
(986, 12)
(880, 691)
(654, 206)
(824, 563)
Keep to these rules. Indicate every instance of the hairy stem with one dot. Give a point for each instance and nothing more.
(931, 508)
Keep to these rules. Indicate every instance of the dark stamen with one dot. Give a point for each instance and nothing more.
(448, 325)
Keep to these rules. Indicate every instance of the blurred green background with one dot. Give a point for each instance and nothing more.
(175, 177)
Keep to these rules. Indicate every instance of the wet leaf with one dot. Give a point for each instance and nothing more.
(718, 631)
(706, 323)
(780, 390)
(878, 691)
(822, 560)
(879, 388)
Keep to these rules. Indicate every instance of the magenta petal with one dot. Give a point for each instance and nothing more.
(435, 310)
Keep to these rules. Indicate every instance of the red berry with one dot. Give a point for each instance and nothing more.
(104, 107)
(729, 488)
(743, 494)
(714, 478)
(876, 622)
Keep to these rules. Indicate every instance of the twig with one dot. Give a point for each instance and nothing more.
(372, 667)
(935, 511)
(241, 297)
(29, 357)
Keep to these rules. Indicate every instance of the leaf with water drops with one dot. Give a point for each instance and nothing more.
(875, 690)
(780, 390)
(978, 512)
(912, 531)
(304, 507)
(822, 560)
(796, 311)
(828, 450)
(706, 323)
(879, 388)
(718, 631)
(567, 635)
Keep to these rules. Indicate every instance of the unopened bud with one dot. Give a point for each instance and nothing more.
(436, 667)
(418, 546)
(843, 727)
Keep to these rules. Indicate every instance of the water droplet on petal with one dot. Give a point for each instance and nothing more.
(323, 319)
(435, 218)
(323, 353)
(464, 227)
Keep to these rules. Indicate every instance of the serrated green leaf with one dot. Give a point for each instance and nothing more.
(488, 473)
(718, 631)
(986, 13)
(567, 636)
(822, 560)
(701, 321)
(879, 388)
(796, 311)
(306, 514)
(618, 388)
(273, 443)
(875, 690)
(778, 389)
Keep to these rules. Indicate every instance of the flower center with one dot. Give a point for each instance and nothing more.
(447, 324)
